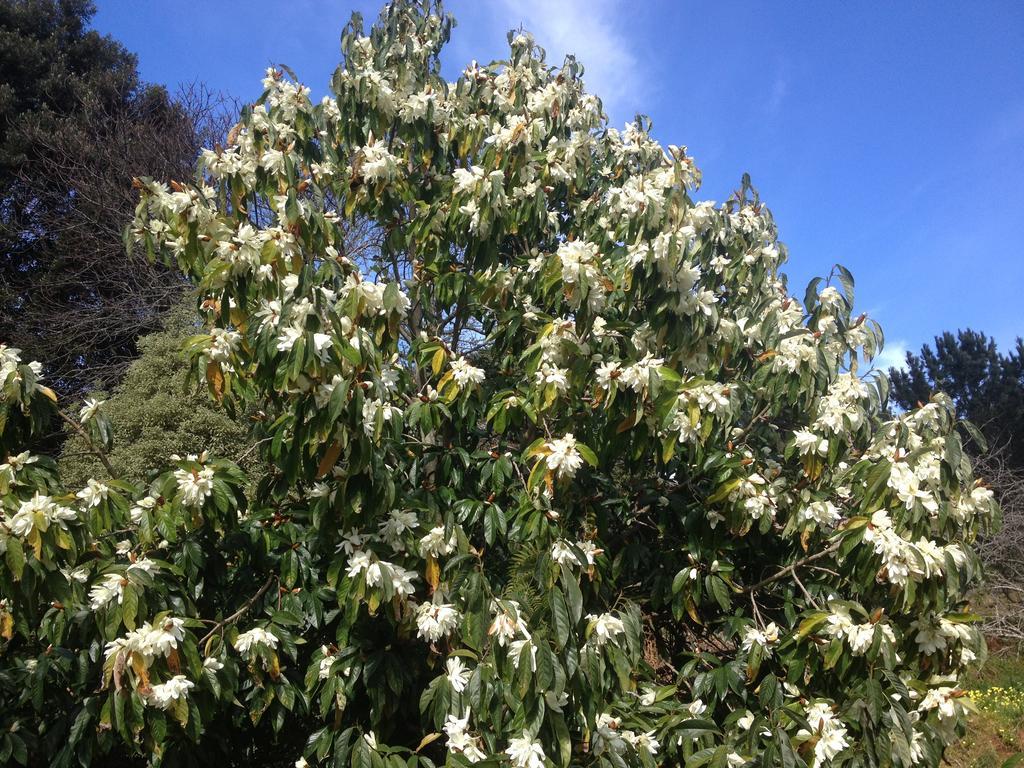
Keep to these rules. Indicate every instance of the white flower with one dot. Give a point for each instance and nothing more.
(916, 747)
(754, 636)
(165, 694)
(515, 652)
(79, 575)
(508, 622)
(257, 636)
(696, 707)
(145, 565)
(563, 459)
(370, 410)
(195, 486)
(467, 180)
(839, 620)
(89, 409)
(378, 162)
(223, 344)
(860, 637)
(397, 523)
(460, 741)
(436, 621)
(562, 552)
(164, 638)
(524, 752)
(435, 544)
(465, 374)
(929, 636)
(942, 699)
(606, 373)
(458, 674)
(401, 579)
(808, 443)
(823, 513)
(286, 340)
(142, 506)
(638, 375)
(579, 262)
(908, 486)
(15, 464)
(149, 641)
(93, 494)
(552, 375)
(112, 587)
(324, 669)
(320, 491)
(830, 732)
(39, 513)
(606, 627)
(643, 741)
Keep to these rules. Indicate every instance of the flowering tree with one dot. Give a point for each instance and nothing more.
(562, 474)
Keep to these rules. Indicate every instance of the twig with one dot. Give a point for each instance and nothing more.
(252, 448)
(803, 589)
(88, 441)
(791, 568)
(219, 626)
(757, 613)
(750, 425)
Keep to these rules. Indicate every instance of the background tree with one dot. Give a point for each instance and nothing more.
(156, 411)
(76, 124)
(986, 386)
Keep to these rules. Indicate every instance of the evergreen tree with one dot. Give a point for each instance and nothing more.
(986, 386)
(156, 412)
(76, 124)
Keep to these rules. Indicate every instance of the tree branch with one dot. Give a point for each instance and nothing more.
(220, 625)
(93, 448)
(791, 568)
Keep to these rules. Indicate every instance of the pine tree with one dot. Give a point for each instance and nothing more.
(986, 386)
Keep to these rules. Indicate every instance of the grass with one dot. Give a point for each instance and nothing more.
(996, 733)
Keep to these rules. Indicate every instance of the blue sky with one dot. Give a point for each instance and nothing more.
(888, 137)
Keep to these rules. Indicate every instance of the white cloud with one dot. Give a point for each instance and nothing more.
(591, 30)
(892, 356)
(779, 89)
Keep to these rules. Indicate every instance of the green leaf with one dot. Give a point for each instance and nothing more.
(588, 455)
(15, 557)
(574, 597)
(129, 606)
(560, 618)
(724, 490)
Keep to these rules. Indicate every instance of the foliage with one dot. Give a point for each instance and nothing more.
(76, 124)
(48, 58)
(559, 472)
(987, 388)
(157, 412)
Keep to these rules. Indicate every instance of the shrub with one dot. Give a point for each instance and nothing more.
(560, 473)
(157, 412)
